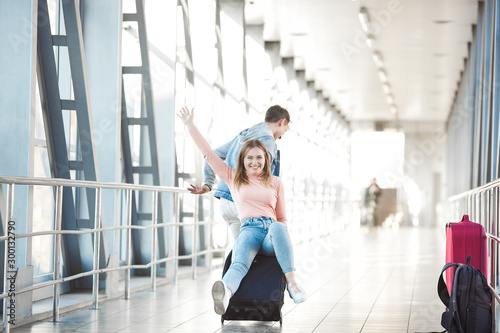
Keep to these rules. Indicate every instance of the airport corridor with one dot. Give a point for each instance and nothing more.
(361, 280)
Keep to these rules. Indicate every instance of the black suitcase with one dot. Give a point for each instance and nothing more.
(261, 292)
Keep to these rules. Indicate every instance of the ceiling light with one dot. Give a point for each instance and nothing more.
(364, 19)
(393, 109)
(389, 99)
(442, 21)
(378, 59)
(370, 41)
(382, 75)
(386, 88)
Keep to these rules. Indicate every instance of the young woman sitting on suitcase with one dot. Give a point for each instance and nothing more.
(260, 200)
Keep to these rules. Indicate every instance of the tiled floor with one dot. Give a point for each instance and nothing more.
(381, 280)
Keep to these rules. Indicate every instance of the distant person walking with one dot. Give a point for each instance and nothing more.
(371, 198)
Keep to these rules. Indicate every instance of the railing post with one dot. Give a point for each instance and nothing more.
(97, 248)
(194, 250)
(494, 254)
(483, 205)
(481, 208)
(154, 221)
(477, 207)
(176, 235)
(57, 251)
(6, 266)
(129, 243)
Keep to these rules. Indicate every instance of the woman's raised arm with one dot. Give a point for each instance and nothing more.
(222, 170)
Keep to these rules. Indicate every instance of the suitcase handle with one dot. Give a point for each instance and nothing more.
(465, 219)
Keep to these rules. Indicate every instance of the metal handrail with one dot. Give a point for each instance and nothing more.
(476, 190)
(493, 291)
(87, 184)
(483, 205)
(106, 270)
(58, 185)
(496, 239)
(120, 227)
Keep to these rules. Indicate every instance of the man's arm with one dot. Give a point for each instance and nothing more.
(271, 146)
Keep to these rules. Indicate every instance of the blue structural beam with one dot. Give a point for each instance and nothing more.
(78, 211)
(56, 141)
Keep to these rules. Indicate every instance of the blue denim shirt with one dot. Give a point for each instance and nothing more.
(229, 152)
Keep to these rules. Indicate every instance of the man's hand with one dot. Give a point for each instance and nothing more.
(198, 190)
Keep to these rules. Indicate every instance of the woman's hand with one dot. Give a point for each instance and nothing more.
(187, 116)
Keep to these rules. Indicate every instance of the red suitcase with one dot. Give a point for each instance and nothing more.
(465, 238)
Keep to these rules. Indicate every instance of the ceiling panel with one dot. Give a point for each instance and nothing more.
(423, 44)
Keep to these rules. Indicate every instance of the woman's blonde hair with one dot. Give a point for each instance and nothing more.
(241, 177)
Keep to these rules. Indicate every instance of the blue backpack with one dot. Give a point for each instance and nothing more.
(469, 305)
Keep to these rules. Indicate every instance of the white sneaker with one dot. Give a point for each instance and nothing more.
(296, 292)
(221, 296)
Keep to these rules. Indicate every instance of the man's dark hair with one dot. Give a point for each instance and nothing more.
(275, 113)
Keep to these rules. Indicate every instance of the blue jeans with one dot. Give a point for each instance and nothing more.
(230, 215)
(258, 235)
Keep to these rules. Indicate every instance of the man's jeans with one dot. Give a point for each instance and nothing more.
(229, 213)
(258, 235)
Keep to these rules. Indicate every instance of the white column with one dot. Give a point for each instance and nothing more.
(102, 29)
(18, 38)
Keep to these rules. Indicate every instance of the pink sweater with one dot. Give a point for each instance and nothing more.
(253, 199)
